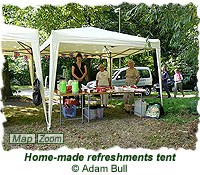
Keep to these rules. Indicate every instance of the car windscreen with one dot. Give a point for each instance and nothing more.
(144, 73)
(122, 75)
(114, 72)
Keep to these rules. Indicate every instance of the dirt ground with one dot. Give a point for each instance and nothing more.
(116, 128)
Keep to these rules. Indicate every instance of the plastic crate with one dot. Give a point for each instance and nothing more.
(69, 112)
(93, 113)
(100, 113)
(137, 108)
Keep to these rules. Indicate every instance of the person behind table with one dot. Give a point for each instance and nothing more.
(178, 78)
(79, 71)
(165, 77)
(132, 78)
(102, 79)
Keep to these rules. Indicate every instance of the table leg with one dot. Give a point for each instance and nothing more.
(101, 99)
(88, 108)
(60, 112)
(141, 105)
(82, 108)
(129, 95)
(132, 102)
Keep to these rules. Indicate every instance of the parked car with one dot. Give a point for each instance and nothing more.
(170, 84)
(189, 83)
(119, 77)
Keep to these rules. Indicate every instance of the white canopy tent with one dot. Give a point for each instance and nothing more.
(25, 41)
(94, 42)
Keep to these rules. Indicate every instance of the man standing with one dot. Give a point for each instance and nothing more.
(102, 79)
(165, 77)
(132, 78)
(178, 79)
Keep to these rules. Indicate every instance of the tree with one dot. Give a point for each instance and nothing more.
(173, 24)
(176, 27)
(6, 90)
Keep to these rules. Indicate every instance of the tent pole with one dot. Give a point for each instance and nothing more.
(31, 68)
(159, 72)
(52, 75)
(23, 45)
(119, 62)
(110, 69)
(36, 57)
(109, 63)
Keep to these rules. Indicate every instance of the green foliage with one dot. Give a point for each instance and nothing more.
(19, 71)
(65, 66)
(192, 108)
(174, 25)
(45, 67)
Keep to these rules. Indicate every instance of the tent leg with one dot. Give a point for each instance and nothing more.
(37, 59)
(52, 75)
(109, 63)
(31, 68)
(120, 62)
(159, 73)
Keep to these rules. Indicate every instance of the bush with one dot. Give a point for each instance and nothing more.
(192, 108)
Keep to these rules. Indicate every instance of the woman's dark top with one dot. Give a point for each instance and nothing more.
(77, 71)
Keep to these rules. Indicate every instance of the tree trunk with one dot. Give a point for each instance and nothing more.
(6, 90)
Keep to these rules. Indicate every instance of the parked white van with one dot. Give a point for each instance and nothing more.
(119, 76)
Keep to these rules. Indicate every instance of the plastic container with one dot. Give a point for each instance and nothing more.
(62, 86)
(99, 112)
(75, 87)
(137, 108)
(93, 112)
(69, 112)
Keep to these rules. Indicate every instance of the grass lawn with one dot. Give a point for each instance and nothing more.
(176, 129)
(21, 87)
(155, 94)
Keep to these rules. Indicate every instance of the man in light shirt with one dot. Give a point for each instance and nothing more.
(103, 80)
(178, 78)
(132, 79)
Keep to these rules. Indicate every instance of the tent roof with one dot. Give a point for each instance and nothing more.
(24, 41)
(94, 41)
(17, 39)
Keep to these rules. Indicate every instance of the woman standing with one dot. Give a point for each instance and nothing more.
(132, 78)
(178, 78)
(79, 71)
